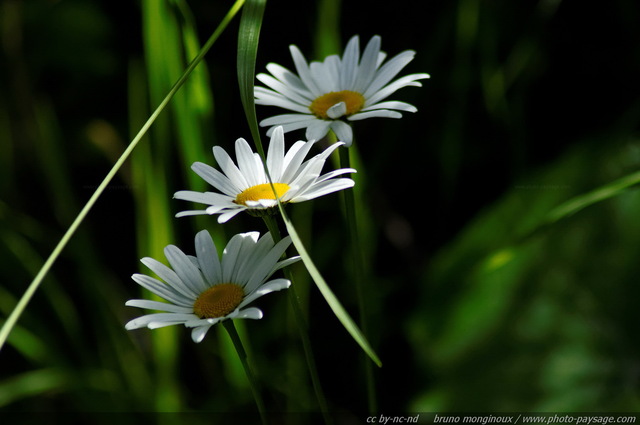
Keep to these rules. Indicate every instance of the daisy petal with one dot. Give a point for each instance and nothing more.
(250, 313)
(269, 97)
(380, 113)
(271, 286)
(304, 71)
(208, 258)
(409, 80)
(368, 65)
(388, 71)
(350, 58)
(198, 334)
(343, 132)
(317, 130)
(399, 106)
(157, 305)
(291, 80)
(190, 278)
(338, 110)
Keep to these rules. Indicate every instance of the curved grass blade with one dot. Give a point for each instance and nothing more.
(602, 193)
(327, 293)
(35, 283)
(248, 35)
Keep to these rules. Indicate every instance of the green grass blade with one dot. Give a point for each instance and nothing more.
(600, 194)
(327, 293)
(248, 35)
(327, 33)
(33, 383)
(35, 283)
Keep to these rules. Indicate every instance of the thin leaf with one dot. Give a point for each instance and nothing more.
(33, 383)
(327, 293)
(602, 193)
(248, 35)
(35, 283)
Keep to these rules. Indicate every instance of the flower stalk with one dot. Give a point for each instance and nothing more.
(301, 325)
(358, 275)
(242, 355)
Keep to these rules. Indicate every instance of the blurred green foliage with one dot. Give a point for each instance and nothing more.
(477, 302)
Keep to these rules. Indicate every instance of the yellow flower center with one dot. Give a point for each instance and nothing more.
(352, 100)
(218, 301)
(261, 191)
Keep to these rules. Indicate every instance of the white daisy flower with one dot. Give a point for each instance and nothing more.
(245, 187)
(204, 290)
(325, 93)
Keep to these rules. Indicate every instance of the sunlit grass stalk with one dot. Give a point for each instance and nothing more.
(242, 355)
(301, 324)
(358, 275)
(35, 283)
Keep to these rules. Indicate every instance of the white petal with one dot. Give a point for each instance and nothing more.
(271, 286)
(399, 106)
(218, 209)
(209, 198)
(158, 318)
(380, 113)
(197, 322)
(247, 163)
(285, 263)
(324, 188)
(170, 276)
(265, 266)
(343, 132)
(229, 168)
(250, 251)
(269, 97)
(350, 58)
(287, 119)
(262, 203)
(337, 110)
(388, 71)
(226, 216)
(293, 159)
(208, 258)
(215, 178)
(368, 65)
(157, 305)
(165, 291)
(408, 80)
(250, 313)
(197, 334)
(318, 129)
(231, 253)
(251, 256)
(335, 173)
(290, 79)
(303, 71)
(325, 75)
(190, 276)
(275, 154)
(283, 89)
(293, 126)
(190, 213)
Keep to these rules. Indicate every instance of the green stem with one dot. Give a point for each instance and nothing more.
(358, 275)
(301, 324)
(242, 354)
(35, 283)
